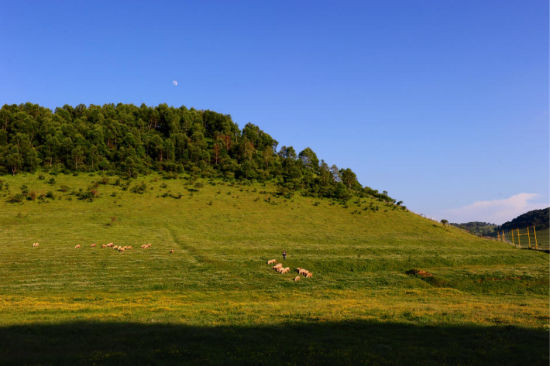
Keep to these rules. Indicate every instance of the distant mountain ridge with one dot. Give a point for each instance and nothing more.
(479, 228)
(538, 218)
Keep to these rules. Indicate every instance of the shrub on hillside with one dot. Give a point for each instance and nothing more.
(139, 188)
(16, 198)
(64, 188)
(88, 195)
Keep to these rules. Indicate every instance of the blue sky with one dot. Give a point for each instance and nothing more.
(444, 104)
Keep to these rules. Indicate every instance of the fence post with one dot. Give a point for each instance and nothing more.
(519, 239)
(513, 241)
(535, 234)
(528, 237)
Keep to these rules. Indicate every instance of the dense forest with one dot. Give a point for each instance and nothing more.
(130, 140)
(538, 218)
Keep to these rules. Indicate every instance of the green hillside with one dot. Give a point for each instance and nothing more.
(131, 140)
(215, 300)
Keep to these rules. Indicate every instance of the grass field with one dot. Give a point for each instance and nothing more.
(543, 239)
(215, 301)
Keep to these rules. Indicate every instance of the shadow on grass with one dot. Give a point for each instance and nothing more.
(355, 342)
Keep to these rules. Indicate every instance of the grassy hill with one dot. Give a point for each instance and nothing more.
(214, 299)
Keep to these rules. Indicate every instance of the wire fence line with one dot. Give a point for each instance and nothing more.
(525, 238)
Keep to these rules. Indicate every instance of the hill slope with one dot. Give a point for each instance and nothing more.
(131, 140)
(222, 235)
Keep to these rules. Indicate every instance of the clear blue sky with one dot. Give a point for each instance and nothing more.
(444, 104)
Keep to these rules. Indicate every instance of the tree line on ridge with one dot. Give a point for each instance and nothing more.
(132, 140)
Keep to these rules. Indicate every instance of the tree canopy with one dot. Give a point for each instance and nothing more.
(537, 218)
(131, 140)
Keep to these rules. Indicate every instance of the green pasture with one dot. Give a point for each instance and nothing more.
(214, 300)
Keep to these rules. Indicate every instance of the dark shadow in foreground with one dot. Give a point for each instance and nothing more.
(354, 342)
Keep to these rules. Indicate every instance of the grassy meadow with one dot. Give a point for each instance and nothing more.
(215, 301)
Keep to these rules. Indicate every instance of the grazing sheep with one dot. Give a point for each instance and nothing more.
(34, 245)
(77, 246)
(104, 245)
(309, 275)
(93, 245)
(171, 251)
(285, 270)
(110, 245)
(129, 247)
(280, 269)
(271, 261)
(277, 266)
(303, 271)
(297, 278)
(298, 269)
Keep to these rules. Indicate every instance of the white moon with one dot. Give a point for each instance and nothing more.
(175, 82)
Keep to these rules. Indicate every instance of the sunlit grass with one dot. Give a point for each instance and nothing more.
(222, 234)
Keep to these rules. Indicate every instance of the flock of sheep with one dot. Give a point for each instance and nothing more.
(279, 268)
(118, 248)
